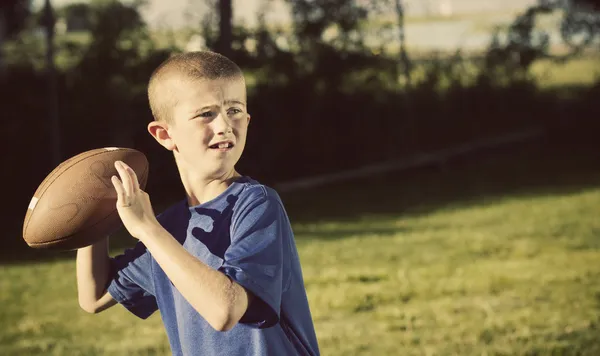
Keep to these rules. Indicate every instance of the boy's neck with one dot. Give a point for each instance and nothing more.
(200, 191)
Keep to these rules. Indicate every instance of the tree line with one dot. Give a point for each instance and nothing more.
(318, 106)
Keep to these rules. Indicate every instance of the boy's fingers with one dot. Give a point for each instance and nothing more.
(125, 178)
(121, 197)
(134, 179)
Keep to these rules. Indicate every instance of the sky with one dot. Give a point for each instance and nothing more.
(439, 34)
(174, 13)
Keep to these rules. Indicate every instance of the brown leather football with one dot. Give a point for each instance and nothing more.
(75, 205)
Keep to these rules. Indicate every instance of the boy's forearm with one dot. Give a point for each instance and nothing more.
(93, 266)
(219, 300)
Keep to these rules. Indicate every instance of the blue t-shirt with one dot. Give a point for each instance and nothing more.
(244, 233)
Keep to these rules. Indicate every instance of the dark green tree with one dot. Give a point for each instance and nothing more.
(225, 27)
(13, 14)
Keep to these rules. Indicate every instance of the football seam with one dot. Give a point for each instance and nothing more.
(55, 178)
(89, 228)
(44, 185)
(68, 237)
(70, 163)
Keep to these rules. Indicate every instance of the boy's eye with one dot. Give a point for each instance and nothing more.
(234, 111)
(207, 114)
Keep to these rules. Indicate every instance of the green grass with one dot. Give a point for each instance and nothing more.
(582, 71)
(497, 257)
(519, 275)
(547, 74)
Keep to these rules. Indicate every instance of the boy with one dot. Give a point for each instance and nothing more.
(221, 265)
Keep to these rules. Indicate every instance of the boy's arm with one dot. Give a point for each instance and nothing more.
(93, 268)
(221, 301)
(215, 296)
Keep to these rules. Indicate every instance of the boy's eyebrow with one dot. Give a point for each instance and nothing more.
(235, 102)
(227, 102)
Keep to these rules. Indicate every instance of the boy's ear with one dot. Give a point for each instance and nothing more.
(159, 130)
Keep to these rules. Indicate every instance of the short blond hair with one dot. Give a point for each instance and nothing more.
(190, 65)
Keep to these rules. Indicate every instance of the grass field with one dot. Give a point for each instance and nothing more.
(498, 256)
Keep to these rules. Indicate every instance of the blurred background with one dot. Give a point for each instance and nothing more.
(439, 160)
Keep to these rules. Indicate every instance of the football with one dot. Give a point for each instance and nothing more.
(75, 205)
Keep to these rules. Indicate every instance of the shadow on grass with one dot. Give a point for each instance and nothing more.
(583, 341)
(344, 232)
(541, 168)
(19, 252)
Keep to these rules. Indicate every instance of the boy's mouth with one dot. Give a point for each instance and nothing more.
(223, 145)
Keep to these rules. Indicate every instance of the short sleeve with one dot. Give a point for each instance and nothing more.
(132, 284)
(255, 257)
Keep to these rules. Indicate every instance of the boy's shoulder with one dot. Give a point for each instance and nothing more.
(252, 190)
(243, 193)
(252, 199)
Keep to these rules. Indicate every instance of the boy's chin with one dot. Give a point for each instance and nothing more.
(220, 172)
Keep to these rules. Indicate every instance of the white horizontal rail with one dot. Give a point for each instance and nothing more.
(409, 162)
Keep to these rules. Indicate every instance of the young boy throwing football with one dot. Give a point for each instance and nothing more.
(221, 266)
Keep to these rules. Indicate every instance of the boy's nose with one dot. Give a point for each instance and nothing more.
(222, 124)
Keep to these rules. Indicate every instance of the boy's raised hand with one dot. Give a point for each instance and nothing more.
(133, 204)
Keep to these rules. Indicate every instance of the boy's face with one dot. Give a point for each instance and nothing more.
(208, 127)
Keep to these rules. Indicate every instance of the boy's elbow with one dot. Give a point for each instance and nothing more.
(226, 314)
(232, 310)
(94, 307)
(228, 324)
(223, 318)
(223, 321)
(88, 307)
